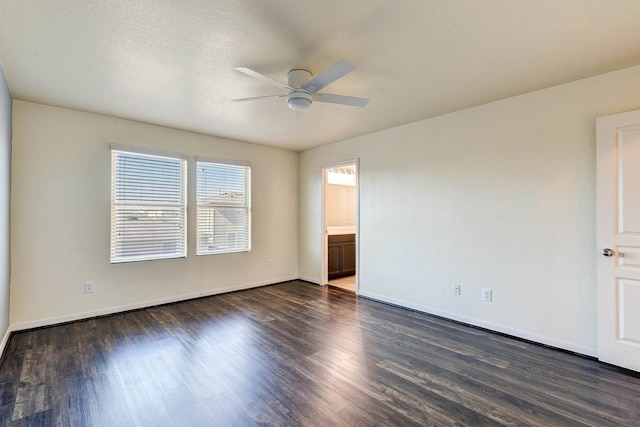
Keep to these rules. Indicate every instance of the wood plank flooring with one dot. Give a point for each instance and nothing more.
(299, 354)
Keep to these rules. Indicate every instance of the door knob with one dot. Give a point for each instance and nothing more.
(607, 252)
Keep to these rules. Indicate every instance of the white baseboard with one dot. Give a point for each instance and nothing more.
(246, 286)
(310, 280)
(5, 339)
(138, 305)
(542, 339)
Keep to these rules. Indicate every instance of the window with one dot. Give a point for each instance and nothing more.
(342, 175)
(148, 205)
(223, 193)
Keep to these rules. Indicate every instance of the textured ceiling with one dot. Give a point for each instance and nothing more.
(171, 62)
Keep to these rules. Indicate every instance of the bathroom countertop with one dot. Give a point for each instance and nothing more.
(333, 230)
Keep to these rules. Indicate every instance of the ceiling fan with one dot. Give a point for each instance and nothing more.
(300, 95)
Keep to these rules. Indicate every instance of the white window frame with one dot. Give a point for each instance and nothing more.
(234, 233)
(138, 205)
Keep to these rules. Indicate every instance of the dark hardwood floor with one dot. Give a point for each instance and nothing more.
(299, 354)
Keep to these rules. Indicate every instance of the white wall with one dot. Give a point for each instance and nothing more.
(500, 196)
(61, 213)
(5, 207)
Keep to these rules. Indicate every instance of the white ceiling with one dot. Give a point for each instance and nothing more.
(171, 62)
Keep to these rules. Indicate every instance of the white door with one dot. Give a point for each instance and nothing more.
(618, 239)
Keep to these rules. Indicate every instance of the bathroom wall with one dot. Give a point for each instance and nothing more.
(340, 208)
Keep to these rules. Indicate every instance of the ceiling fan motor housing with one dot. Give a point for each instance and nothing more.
(298, 99)
(297, 77)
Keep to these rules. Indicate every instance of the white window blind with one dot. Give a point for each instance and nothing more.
(223, 193)
(148, 206)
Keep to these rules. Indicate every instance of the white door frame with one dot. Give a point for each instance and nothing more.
(323, 232)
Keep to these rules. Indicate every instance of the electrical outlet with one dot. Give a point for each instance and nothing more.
(88, 287)
(455, 289)
(487, 295)
(270, 263)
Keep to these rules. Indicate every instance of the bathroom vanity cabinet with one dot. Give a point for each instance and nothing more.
(342, 255)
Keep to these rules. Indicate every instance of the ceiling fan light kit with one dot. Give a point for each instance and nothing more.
(299, 100)
(301, 95)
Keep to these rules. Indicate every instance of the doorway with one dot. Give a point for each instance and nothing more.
(340, 225)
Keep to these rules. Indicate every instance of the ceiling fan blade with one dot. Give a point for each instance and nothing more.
(340, 99)
(253, 98)
(262, 77)
(329, 76)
